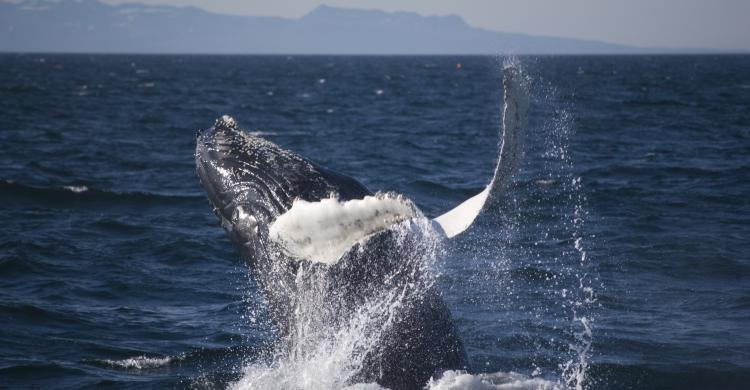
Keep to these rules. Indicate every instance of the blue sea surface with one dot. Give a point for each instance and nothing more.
(620, 258)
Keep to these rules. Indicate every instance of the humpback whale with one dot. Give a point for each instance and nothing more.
(329, 255)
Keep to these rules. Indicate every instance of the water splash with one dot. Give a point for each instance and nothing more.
(333, 339)
(569, 209)
(461, 380)
(574, 370)
(528, 267)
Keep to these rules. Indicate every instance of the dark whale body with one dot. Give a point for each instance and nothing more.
(250, 182)
(253, 184)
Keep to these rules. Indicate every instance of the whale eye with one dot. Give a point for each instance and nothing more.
(244, 222)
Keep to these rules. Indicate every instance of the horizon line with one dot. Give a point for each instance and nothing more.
(706, 52)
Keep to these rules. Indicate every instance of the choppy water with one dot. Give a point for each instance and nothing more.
(630, 218)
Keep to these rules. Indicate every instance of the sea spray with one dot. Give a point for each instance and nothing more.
(576, 296)
(333, 338)
(530, 274)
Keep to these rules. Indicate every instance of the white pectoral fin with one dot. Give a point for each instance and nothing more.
(323, 231)
(462, 216)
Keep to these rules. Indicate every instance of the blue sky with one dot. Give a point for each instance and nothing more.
(713, 24)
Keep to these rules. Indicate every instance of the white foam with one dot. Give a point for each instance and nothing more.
(140, 362)
(323, 231)
(77, 189)
(461, 380)
(288, 378)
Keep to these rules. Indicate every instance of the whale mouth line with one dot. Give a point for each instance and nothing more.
(326, 230)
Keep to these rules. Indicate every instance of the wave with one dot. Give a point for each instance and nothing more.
(655, 103)
(34, 314)
(140, 362)
(640, 376)
(36, 370)
(461, 380)
(84, 193)
(272, 379)
(76, 189)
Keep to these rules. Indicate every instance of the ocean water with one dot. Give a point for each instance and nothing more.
(620, 258)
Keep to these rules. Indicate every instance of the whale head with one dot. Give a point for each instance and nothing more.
(251, 181)
(228, 164)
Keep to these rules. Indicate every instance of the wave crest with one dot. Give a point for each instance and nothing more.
(141, 362)
(461, 380)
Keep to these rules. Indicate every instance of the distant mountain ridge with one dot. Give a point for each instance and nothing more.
(89, 26)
